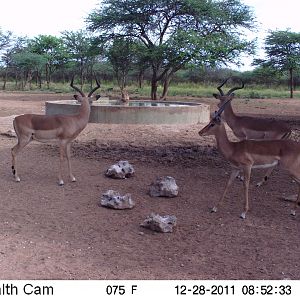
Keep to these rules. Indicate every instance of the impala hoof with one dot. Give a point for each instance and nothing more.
(73, 179)
(240, 177)
(214, 209)
(243, 216)
(61, 183)
(293, 212)
(17, 179)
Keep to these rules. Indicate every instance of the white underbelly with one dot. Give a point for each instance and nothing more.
(264, 166)
(45, 136)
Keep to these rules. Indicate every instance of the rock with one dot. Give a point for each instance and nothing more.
(113, 199)
(160, 223)
(121, 170)
(164, 187)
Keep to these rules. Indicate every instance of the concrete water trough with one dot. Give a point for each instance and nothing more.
(136, 112)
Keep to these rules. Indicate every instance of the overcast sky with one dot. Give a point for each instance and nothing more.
(33, 17)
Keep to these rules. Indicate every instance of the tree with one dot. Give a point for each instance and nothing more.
(5, 39)
(52, 49)
(175, 33)
(81, 48)
(121, 55)
(5, 44)
(28, 63)
(17, 45)
(283, 53)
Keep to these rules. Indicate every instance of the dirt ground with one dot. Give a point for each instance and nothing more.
(53, 232)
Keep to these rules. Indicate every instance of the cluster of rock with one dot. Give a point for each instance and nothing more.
(162, 187)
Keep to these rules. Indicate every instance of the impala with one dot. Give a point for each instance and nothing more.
(60, 128)
(251, 128)
(250, 154)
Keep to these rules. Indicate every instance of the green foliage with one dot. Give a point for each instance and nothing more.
(5, 39)
(283, 53)
(283, 49)
(121, 54)
(175, 33)
(28, 61)
(51, 47)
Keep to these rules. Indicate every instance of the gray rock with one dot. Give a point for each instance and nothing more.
(113, 199)
(164, 187)
(121, 170)
(159, 223)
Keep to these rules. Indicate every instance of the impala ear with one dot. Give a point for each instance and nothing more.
(78, 98)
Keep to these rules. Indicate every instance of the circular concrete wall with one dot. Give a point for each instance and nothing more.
(138, 112)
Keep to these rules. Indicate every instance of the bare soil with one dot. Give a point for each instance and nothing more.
(53, 232)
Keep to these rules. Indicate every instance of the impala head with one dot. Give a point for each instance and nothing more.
(229, 95)
(212, 127)
(82, 95)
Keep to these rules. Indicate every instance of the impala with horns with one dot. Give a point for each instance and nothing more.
(251, 128)
(251, 154)
(56, 128)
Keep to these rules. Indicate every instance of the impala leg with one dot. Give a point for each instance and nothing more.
(62, 153)
(68, 155)
(232, 176)
(266, 177)
(247, 174)
(14, 152)
(293, 211)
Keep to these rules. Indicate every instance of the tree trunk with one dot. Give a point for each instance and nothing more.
(39, 79)
(29, 79)
(16, 80)
(154, 84)
(140, 79)
(153, 89)
(5, 79)
(81, 74)
(47, 76)
(291, 83)
(166, 86)
(91, 76)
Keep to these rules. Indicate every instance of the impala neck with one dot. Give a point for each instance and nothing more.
(223, 143)
(229, 115)
(84, 111)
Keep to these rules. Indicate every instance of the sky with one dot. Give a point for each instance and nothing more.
(34, 17)
(48, 17)
(272, 15)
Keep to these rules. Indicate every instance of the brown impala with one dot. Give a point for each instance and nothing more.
(60, 128)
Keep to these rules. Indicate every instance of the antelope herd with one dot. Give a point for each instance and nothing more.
(263, 143)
